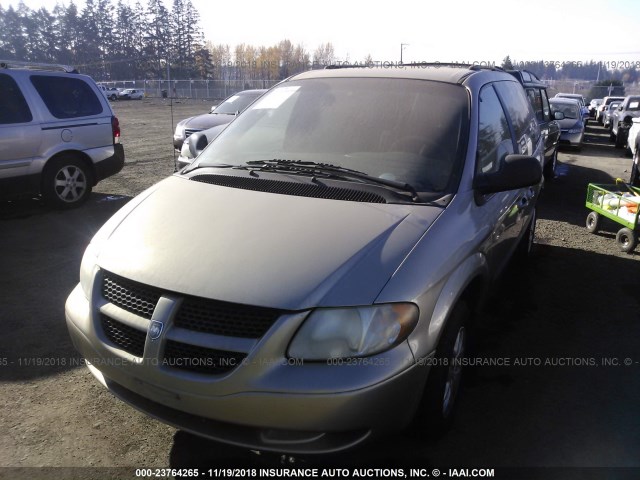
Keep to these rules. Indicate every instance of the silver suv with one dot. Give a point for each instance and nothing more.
(342, 234)
(58, 134)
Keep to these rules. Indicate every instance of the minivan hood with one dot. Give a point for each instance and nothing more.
(260, 248)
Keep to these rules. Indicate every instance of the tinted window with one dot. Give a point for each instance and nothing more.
(546, 108)
(494, 137)
(520, 112)
(67, 97)
(535, 99)
(13, 106)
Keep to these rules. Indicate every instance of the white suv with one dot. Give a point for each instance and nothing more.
(58, 134)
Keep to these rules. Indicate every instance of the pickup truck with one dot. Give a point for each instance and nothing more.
(621, 119)
(109, 92)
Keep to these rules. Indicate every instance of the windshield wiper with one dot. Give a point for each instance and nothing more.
(335, 170)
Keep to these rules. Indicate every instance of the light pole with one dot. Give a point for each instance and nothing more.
(402, 45)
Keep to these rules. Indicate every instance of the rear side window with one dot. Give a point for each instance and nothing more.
(67, 97)
(520, 112)
(13, 106)
(535, 99)
(494, 137)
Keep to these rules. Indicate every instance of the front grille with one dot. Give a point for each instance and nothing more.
(189, 131)
(291, 188)
(222, 318)
(127, 338)
(129, 295)
(182, 356)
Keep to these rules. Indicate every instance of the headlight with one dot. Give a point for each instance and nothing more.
(353, 332)
(185, 152)
(179, 133)
(87, 269)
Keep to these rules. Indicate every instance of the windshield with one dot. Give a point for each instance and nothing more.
(634, 104)
(579, 98)
(569, 110)
(411, 131)
(235, 103)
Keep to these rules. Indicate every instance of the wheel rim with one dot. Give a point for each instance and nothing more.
(625, 240)
(70, 184)
(454, 373)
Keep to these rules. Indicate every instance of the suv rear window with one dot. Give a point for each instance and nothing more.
(13, 106)
(67, 97)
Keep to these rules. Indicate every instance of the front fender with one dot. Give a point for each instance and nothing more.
(424, 339)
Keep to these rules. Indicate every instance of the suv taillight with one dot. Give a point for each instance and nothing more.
(115, 128)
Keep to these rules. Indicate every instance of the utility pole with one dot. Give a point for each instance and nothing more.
(402, 45)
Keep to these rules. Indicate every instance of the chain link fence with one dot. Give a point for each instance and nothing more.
(219, 89)
(195, 89)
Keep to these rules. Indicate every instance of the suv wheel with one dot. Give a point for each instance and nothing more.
(113, 97)
(66, 182)
(443, 385)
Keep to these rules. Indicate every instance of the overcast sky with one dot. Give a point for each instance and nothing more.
(446, 31)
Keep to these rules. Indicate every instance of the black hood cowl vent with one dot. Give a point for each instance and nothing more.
(291, 188)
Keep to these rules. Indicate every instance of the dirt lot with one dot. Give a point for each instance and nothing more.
(576, 304)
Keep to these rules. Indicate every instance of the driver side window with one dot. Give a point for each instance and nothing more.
(494, 137)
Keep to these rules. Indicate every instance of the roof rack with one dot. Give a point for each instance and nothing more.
(37, 66)
(469, 66)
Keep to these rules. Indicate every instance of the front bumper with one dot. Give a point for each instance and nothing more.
(571, 139)
(267, 402)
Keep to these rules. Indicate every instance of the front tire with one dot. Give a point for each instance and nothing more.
(626, 239)
(440, 395)
(66, 182)
(593, 222)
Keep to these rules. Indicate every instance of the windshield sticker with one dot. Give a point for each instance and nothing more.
(276, 97)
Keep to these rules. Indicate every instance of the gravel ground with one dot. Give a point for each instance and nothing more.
(576, 299)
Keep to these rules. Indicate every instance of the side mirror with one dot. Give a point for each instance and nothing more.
(197, 142)
(558, 116)
(514, 171)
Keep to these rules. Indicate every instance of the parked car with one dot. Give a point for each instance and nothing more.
(584, 111)
(633, 145)
(219, 115)
(608, 111)
(621, 119)
(605, 102)
(572, 125)
(342, 233)
(593, 106)
(549, 127)
(195, 143)
(130, 94)
(58, 134)
(110, 92)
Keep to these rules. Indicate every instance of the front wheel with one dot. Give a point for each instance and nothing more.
(593, 222)
(627, 239)
(445, 376)
(66, 182)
